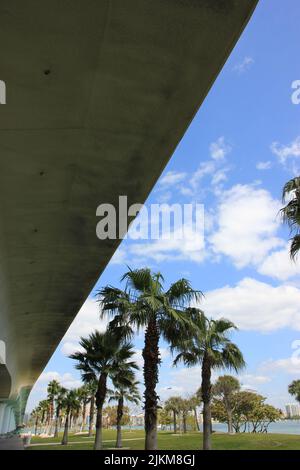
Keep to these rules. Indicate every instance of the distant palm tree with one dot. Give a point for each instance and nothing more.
(84, 398)
(36, 414)
(126, 390)
(210, 347)
(92, 388)
(71, 403)
(291, 212)
(104, 355)
(194, 402)
(52, 391)
(44, 406)
(59, 402)
(173, 405)
(145, 303)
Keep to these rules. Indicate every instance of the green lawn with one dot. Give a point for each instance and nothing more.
(168, 441)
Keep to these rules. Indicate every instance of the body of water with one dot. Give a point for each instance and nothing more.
(280, 427)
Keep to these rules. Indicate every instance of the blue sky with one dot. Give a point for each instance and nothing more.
(242, 146)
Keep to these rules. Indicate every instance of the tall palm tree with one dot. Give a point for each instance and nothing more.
(104, 355)
(70, 403)
(211, 347)
(291, 212)
(52, 391)
(145, 303)
(126, 390)
(173, 405)
(59, 403)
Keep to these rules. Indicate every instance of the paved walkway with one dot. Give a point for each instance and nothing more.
(11, 443)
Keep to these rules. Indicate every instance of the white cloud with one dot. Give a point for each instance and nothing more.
(283, 152)
(189, 247)
(205, 168)
(264, 165)
(66, 380)
(69, 348)
(171, 178)
(289, 365)
(279, 265)
(219, 149)
(244, 65)
(255, 305)
(253, 380)
(86, 321)
(247, 225)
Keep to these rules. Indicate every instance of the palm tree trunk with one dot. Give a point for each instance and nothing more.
(91, 418)
(184, 423)
(83, 417)
(66, 430)
(206, 396)
(36, 426)
(100, 398)
(56, 422)
(174, 422)
(151, 363)
(119, 420)
(196, 419)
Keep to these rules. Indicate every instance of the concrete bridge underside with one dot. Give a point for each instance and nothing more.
(99, 93)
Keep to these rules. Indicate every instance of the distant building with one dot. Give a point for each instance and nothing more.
(137, 420)
(292, 410)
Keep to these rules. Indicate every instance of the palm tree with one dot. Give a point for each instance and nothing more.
(194, 402)
(291, 212)
(84, 398)
(70, 403)
(145, 303)
(125, 390)
(104, 356)
(92, 389)
(225, 387)
(44, 407)
(52, 391)
(59, 402)
(184, 408)
(36, 415)
(210, 347)
(294, 389)
(173, 405)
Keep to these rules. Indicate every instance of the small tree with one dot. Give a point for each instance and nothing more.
(225, 388)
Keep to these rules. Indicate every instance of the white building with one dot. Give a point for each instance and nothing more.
(292, 410)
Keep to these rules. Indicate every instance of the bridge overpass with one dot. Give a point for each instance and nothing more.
(98, 95)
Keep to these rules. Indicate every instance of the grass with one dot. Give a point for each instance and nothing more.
(134, 440)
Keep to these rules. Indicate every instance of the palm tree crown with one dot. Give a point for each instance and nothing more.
(291, 212)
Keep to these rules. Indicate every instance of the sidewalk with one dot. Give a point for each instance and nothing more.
(11, 443)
